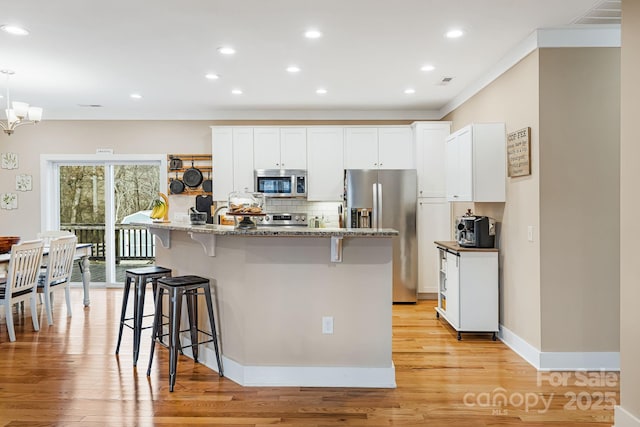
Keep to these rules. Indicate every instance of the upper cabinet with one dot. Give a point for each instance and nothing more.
(280, 148)
(324, 164)
(475, 166)
(379, 148)
(232, 150)
(430, 142)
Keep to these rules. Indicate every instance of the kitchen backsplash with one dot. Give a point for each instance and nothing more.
(312, 209)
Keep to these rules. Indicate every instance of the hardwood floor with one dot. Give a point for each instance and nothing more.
(68, 375)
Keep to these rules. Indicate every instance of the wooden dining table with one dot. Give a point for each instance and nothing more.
(83, 252)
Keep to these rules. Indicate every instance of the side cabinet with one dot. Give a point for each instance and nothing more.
(430, 143)
(434, 223)
(476, 163)
(468, 288)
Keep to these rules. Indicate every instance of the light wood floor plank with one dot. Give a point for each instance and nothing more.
(68, 375)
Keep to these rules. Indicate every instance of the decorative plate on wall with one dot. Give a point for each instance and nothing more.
(24, 183)
(9, 201)
(9, 161)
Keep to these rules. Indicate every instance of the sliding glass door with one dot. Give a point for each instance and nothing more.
(99, 200)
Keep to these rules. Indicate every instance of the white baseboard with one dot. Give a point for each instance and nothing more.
(297, 376)
(623, 418)
(520, 346)
(560, 361)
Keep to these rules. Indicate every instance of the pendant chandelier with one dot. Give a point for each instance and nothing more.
(18, 113)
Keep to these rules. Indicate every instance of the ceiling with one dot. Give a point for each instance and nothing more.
(81, 53)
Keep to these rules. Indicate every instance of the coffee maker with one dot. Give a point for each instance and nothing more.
(360, 218)
(475, 231)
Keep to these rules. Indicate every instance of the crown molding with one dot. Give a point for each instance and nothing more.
(583, 36)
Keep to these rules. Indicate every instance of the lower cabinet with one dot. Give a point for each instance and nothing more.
(434, 223)
(468, 288)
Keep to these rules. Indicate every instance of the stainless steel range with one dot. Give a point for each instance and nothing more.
(283, 220)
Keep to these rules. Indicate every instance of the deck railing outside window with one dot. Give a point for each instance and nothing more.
(133, 242)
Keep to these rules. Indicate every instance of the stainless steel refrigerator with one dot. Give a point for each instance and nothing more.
(387, 199)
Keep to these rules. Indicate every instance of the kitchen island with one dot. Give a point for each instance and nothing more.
(295, 306)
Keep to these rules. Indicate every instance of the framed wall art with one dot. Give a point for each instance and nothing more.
(519, 152)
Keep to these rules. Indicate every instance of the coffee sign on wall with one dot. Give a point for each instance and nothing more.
(519, 152)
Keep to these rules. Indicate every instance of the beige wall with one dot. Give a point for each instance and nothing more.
(629, 208)
(559, 293)
(579, 198)
(83, 137)
(513, 99)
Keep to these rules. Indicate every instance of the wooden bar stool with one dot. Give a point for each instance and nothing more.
(177, 287)
(140, 277)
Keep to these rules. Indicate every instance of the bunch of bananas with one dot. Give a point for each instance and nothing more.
(160, 208)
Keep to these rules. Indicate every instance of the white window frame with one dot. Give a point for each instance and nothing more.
(50, 191)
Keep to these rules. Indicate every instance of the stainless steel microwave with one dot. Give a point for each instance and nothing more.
(281, 182)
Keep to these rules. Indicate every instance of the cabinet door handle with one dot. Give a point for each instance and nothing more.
(455, 196)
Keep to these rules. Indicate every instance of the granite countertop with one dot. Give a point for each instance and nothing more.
(229, 230)
(457, 248)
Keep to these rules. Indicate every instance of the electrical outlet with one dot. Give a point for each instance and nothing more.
(327, 325)
(530, 233)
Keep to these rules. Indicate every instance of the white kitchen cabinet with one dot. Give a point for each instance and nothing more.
(434, 224)
(468, 288)
(360, 148)
(430, 143)
(232, 151)
(280, 148)
(379, 148)
(476, 163)
(325, 173)
(396, 148)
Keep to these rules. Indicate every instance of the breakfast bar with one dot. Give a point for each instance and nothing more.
(295, 307)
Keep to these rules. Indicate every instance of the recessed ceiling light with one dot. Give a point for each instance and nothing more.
(313, 34)
(428, 68)
(321, 91)
(15, 30)
(226, 50)
(409, 91)
(236, 92)
(454, 34)
(135, 96)
(293, 69)
(212, 76)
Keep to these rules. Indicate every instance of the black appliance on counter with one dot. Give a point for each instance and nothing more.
(475, 231)
(203, 204)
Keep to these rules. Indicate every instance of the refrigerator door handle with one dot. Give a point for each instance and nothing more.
(379, 223)
(374, 213)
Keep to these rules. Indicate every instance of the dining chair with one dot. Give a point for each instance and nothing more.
(22, 279)
(57, 274)
(48, 235)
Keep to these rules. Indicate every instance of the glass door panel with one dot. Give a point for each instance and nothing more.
(135, 189)
(82, 212)
(98, 202)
